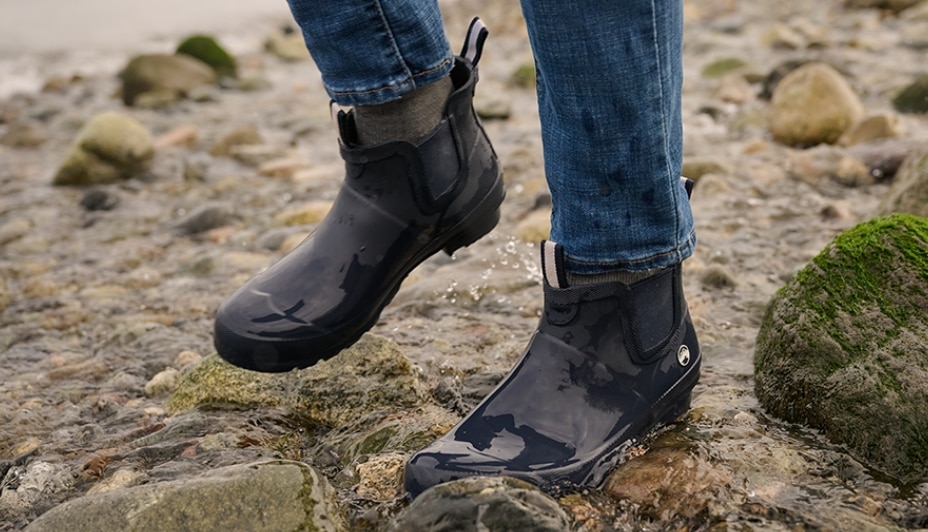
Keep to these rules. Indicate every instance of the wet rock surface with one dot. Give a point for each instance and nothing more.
(263, 496)
(109, 385)
(843, 345)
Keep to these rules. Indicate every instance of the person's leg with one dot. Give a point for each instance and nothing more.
(615, 353)
(421, 177)
(390, 60)
(609, 86)
(372, 52)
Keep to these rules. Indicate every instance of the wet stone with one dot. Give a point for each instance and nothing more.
(268, 496)
(206, 217)
(99, 199)
(909, 190)
(482, 503)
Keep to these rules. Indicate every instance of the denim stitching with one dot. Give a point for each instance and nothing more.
(395, 86)
(679, 251)
(674, 192)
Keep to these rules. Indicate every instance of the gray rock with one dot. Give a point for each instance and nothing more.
(842, 346)
(272, 496)
(99, 199)
(24, 134)
(206, 217)
(909, 191)
(109, 147)
(173, 77)
(484, 504)
(813, 105)
(242, 136)
(35, 482)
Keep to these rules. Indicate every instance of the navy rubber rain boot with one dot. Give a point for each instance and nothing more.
(399, 204)
(608, 363)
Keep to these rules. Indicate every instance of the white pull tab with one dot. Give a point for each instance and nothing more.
(552, 264)
(688, 185)
(473, 45)
(334, 111)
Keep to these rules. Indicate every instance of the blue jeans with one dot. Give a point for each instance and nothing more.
(609, 87)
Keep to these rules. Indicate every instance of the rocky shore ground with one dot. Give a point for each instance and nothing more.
(115, 412)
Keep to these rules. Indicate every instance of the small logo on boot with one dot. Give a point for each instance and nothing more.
(683, 355)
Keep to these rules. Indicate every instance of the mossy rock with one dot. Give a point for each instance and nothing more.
(844, 346)
(111, 146)
(913, 98)
(371, 376)
(401, 432)
(165, 78)
(273, 495)
(482, 503)
(208, 50)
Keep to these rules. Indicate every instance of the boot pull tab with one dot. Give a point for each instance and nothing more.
(552, 264)
(688, 185)
(473, 45)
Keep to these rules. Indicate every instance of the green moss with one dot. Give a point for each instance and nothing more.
(207, 49)
(913, 98)
(375, 442)
(852, 273)
(721, 67)
(217, 385)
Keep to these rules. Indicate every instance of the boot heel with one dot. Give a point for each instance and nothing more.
(473, 232)
(677, 410)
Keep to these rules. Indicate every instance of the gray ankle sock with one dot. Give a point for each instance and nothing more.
(622, 276)
(410, 118)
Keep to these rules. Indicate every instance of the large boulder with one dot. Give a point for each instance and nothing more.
(909, 191)
(844, 345)
(111, 146)
(159, 79)
(813, 105)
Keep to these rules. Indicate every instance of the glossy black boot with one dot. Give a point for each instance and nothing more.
(608, 363)
(400, 203)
